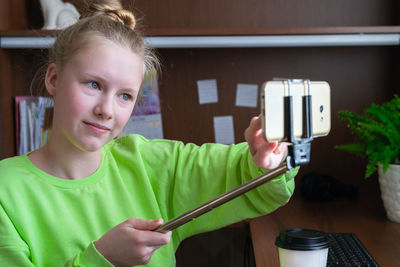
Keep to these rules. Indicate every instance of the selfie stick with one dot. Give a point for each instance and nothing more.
(298, 154)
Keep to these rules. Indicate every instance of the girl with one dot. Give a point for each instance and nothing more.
(87, 198)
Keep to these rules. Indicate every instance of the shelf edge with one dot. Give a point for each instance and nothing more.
(243, 41)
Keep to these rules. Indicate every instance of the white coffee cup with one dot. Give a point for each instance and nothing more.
(302, 248)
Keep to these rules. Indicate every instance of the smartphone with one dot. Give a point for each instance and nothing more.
(273, 114)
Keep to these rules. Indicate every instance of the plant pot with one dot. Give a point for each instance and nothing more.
(390, 191)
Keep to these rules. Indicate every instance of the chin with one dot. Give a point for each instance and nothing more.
(92, 146)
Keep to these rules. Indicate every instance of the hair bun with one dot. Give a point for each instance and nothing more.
(111, 9)
(122, 15)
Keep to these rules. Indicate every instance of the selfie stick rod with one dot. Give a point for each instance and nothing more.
(210, 205)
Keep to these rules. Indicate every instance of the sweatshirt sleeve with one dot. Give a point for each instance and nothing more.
(186, 176)
(13, 250)
(89, 257)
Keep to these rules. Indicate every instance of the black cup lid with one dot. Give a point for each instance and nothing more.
(302, 239)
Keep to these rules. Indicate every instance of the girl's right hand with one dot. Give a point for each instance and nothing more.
(132, 242)
(266, 155)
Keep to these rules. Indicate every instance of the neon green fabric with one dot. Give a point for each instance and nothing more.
(48, 221)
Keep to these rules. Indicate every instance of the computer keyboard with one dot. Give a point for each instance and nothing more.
(345, 249)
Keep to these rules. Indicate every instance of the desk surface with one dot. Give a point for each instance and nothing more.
(365, 217)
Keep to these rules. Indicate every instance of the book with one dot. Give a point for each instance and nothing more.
(33, 120)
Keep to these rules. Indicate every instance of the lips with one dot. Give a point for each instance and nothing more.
(97, 128)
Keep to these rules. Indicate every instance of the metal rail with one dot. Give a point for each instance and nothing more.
(301, 40)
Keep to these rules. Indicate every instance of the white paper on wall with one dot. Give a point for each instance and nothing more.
(223, 130)
(246, 95)
(208, 92)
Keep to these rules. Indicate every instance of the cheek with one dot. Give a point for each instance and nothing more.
(73, 106)
(124, 116)
(79, 104)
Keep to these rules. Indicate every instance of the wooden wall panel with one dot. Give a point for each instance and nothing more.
(4, 20)
(358, 76)
(225, 14)
(16, 14)
(254, 13)
(6, 107)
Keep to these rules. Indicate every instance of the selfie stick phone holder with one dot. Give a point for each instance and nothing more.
(298, 154)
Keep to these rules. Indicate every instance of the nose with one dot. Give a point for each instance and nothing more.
(104, 107)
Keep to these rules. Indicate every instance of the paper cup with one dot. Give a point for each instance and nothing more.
(302, 248)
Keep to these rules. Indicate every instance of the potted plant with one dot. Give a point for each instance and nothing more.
(377, 138)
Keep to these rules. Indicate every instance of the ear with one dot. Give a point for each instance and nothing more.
(51, 79)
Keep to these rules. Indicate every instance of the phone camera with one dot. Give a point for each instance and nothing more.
(321, 108)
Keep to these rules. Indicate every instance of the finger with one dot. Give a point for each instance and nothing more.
(155, 239)
(255, 122)
(267, 149)
(254, 127)
(161, 239)
(143, 224)
(269, 157)
(270, 162)
(253, 135)
(281, 148)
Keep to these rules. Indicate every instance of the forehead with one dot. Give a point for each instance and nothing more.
(106, 50)
(109, 60)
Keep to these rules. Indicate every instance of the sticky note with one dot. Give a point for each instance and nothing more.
(223, 130)
(246, 95)
(208, 92)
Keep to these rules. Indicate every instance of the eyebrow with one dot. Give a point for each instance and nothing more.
(95, 77)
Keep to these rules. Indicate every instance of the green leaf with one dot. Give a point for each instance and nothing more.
(356, 148)
(376, 133)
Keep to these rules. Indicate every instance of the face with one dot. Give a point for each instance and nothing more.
(94, 95)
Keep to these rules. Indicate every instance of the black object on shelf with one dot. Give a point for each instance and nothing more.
(318, 187)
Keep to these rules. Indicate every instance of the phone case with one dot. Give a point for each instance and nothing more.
(272, 108)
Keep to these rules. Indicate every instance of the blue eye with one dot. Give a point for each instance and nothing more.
(126, 97)
(93, 85)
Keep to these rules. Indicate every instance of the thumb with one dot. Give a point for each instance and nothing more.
(143, 224)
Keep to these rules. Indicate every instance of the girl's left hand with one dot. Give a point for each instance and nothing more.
(266, 155)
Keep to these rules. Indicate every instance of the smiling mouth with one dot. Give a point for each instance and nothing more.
(97, 128)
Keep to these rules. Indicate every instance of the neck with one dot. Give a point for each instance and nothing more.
(66, 163)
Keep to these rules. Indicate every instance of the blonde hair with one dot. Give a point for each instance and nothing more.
(101, 19)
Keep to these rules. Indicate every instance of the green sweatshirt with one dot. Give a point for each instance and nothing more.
(48, 221)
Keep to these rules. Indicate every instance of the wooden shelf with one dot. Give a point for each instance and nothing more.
(274, 31)
(231, 31)
(219, 38)
(31, 33)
